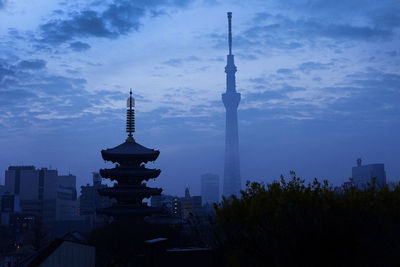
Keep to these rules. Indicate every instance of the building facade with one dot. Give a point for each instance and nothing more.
(364, 174)
(209, 188)
(170, 204)
(191, 205)
(42, 192)
(90, 199)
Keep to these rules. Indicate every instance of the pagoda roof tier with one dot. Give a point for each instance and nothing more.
(141, 172)
(136, 192)
(130, 151)
(126, 211)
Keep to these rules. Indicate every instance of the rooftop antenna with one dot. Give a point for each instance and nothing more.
(130, 117)
(230, 32)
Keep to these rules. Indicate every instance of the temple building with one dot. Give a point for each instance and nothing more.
(231, 99)
(129, 173)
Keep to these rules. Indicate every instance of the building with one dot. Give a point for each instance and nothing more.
(2, 188)
(129, 172)
(170, 204)
(179, 207)
(90, 199)
(364, 174)
(10, 205)
(42, 192)
(191, 205)
(210, 188)
(72, 249)
(231, 99)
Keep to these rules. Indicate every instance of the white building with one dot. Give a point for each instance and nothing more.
(42, 192)
(364, 174)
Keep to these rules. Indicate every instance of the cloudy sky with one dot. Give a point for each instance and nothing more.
(320, 85)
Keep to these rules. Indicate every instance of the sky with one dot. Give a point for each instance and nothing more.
(320, 85)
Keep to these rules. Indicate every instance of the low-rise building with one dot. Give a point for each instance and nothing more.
(363, 175)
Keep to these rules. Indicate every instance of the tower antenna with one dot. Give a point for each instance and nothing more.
(230, 32)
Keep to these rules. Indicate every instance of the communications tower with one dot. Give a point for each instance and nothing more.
(231, 99)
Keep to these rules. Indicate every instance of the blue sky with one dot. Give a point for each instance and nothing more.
(320, 84)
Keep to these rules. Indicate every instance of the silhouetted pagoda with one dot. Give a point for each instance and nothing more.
(130, 172)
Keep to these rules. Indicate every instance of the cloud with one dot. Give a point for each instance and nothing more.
(372, 96)
(5, 71)
(312, 28)
(392, 53)
(84, 24)
(368, 96)
(284, 71)
(380, 14)
(119, 18)
(177, 62)
(33, 99)
(306, 23)
(32, 64)
(13, 97)
(311, 66)
(79, 46)
(28, 91)
(264, 96)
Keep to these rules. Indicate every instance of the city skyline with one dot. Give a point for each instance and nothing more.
(319, 83)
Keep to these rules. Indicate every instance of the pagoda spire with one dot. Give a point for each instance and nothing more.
(130, 173)
(130, 117)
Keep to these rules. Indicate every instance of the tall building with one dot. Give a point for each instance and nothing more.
(129, 172)
(90, 199)
(231, 99)
(210, 188)
(42, 192)
(363, 174)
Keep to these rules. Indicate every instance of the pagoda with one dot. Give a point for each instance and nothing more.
(129, 173)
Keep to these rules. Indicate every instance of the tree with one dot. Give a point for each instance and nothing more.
(297, 224)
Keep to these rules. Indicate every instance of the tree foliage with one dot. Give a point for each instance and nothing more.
(291, 223)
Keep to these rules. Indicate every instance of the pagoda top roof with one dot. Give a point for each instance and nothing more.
(130, 150)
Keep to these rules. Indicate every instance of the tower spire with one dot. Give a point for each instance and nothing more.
(230, 32)
(130, 117)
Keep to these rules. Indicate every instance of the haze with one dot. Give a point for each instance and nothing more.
(320, 85)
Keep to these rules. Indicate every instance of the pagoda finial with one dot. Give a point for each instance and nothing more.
(130, 117)
(230, 32)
